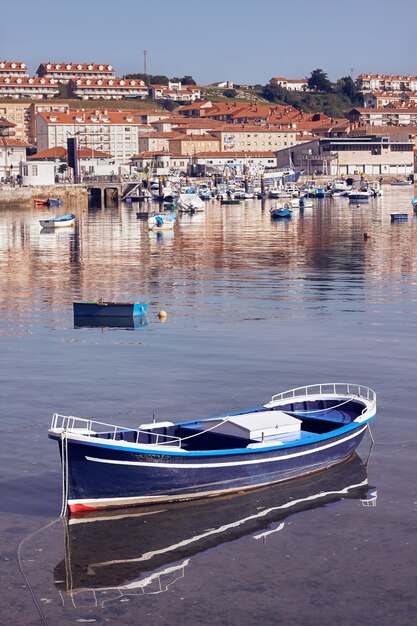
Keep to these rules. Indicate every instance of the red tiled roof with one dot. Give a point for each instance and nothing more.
(5, 123)
(59, 152)
(73, 68)
(28, 81)
(11, 142)
(92, 116)
(105, 83)
(13, 66)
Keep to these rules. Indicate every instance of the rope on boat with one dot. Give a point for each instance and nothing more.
(202, 432)
(329, 408)
(64, 472)
(46, 526)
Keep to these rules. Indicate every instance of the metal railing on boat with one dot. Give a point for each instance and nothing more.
(333, 389)
(93, 428)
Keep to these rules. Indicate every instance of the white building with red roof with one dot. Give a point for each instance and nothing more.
(386, 82)
(13, 68)
(108, 88)
(27, 87)
(112, 131)
(63, 72)
(292, 84)
(175, 91)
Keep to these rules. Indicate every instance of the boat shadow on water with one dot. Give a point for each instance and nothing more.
(137, 322)
(146, 550)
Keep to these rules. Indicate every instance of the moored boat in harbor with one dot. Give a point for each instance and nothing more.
(298, 432)
(103, 308)
(58, 222)
(110, 554)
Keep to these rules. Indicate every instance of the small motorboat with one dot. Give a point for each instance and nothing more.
(58, 222)
(48, 202)
(281, 211)
(231, 200)
(298, 432)
(190, 202)
(399, 217)
(400, 182)
(162, 221)
(103, 308)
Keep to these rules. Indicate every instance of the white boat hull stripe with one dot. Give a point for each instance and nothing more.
(191, 465)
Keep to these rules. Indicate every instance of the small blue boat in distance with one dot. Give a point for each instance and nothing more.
(101, 308)
(281, 211)
(399, 217)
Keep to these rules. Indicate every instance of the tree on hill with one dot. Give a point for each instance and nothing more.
(185, 80)
(150, 79)
(318, 81)
(273, 93)
(230, 93)
(347, 87)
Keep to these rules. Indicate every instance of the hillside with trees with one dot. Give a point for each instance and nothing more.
(333, 99)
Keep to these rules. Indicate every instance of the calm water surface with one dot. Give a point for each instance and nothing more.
(254, 307)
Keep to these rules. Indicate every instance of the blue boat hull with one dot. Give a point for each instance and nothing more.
(102, 475)
(109, 309)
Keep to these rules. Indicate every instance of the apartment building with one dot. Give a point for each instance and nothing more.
(13, 68)
(396, 116)
(27, 87)
(64, 72)
(395, 99)
(385, 82)
(157, 141)
(23, 116)
(185, 144)
(252, 138)
(369, 154)
(113, 132)
(108, 88)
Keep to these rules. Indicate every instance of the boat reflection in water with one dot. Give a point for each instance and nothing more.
(136, 322)
(145, 550)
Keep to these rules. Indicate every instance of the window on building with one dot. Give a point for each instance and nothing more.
(34, 170)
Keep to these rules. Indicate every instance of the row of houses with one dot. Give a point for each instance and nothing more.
(155, 140)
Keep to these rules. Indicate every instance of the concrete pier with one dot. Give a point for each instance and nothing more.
(70, 194)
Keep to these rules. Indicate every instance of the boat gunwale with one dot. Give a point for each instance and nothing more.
(366, 395)
(162, 450)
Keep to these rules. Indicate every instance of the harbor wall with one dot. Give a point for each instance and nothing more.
(70, 194)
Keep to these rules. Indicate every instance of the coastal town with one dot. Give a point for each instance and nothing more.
(125, 129)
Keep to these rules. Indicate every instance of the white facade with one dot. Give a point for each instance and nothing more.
(120, 139)
(37, 173)
(10, 159)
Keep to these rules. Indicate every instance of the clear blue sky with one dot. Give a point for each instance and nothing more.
(246, 41)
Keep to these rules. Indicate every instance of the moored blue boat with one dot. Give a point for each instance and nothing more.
(117, 554)
(101, 308)
(299, 432)
(281, 211)
(399, 217)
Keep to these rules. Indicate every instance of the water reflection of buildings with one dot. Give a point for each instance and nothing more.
(141, 551)
(110, 253)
